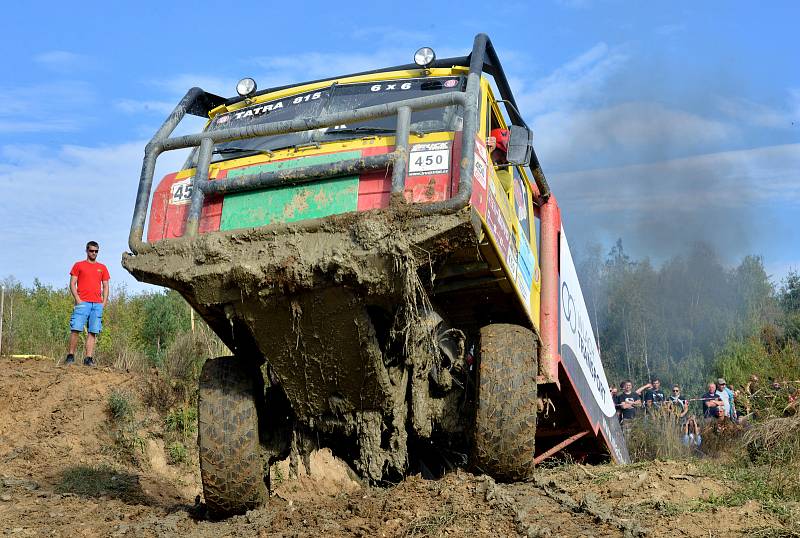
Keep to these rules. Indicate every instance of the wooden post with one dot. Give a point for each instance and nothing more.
(191, 316)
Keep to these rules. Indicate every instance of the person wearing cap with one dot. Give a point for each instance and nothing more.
(498, 149)
(730, 410)
(724, 396)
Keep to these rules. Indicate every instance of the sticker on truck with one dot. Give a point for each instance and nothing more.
(181, 192)
(429, 159)
(497, 226)
(480, 172)
(525, 267)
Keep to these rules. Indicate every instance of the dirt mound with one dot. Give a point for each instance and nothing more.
(59, 478)
(55, 418)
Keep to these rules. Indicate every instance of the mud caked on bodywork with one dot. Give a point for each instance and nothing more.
(339, 313)
(353, 236)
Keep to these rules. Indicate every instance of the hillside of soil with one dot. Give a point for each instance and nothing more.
(65, 472)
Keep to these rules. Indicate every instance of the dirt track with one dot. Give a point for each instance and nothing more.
(53, 420)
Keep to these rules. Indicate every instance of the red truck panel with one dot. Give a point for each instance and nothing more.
(168, 218)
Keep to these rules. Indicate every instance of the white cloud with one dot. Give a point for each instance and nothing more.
(132, 106)
(760, 115)
(61, 61)
(577, 81)
(671, 30)
(179, 84)
(56, 199)
(316, 65)
(47, 107)
(794, 104)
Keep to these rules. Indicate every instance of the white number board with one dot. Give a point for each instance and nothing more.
(429, 159)
(181, 192)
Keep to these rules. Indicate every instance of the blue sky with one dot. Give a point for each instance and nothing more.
(658, 123)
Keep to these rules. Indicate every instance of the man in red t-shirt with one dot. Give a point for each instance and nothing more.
(88, 283)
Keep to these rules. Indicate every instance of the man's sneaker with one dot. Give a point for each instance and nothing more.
(69, 360)
(88, 361)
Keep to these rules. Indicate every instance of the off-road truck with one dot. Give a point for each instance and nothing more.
(383, 293)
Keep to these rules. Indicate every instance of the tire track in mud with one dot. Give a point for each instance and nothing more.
(543, 508)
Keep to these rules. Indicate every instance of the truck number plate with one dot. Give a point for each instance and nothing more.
(181, 192)
(429, 159)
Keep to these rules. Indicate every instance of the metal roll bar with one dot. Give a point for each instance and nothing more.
(196, 100)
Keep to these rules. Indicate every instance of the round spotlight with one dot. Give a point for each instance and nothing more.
(424, 57)
(246, 86)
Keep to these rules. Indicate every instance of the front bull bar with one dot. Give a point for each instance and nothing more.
(398, 159)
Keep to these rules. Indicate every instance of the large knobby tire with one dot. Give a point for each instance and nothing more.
(230, 460)
(505, 420)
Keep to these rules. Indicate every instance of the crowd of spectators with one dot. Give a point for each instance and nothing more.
(720, 407)
(717, 404)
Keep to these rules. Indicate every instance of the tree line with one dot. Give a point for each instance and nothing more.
(138, 328)
(692, 318)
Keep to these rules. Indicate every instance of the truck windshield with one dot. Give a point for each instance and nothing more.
(339, 98)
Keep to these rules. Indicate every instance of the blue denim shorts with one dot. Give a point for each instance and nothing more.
(83, 312)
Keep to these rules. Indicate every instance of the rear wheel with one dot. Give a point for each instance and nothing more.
(505, 421)
(230, 460)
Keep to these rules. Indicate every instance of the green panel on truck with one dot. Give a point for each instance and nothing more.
(292, 203)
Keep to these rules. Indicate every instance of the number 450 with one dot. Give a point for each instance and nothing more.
(429, 160)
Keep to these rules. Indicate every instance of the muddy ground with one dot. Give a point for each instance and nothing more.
(63, 474)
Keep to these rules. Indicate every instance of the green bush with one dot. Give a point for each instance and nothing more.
(120, 406)
(177, 453)
(182, 421)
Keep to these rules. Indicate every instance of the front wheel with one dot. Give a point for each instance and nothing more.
(230, 459)
(505, 420)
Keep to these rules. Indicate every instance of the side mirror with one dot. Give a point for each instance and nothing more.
(520, 146)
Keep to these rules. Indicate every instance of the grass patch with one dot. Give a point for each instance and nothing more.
(180, 425)
(771, 532)
(275, 475)
(432, 524)
(775, 442)
(101, 480)
(126, 446)
(182, 422)
(120, 406)
(657, 435)
(177, 453)
(768, 486)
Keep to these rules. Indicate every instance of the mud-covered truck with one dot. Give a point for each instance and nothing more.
(383, 256)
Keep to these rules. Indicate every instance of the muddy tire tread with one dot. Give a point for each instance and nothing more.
(231, 467)
(505, 422)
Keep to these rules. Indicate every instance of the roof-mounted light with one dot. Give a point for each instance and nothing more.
(424, 57)
(246, 87)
